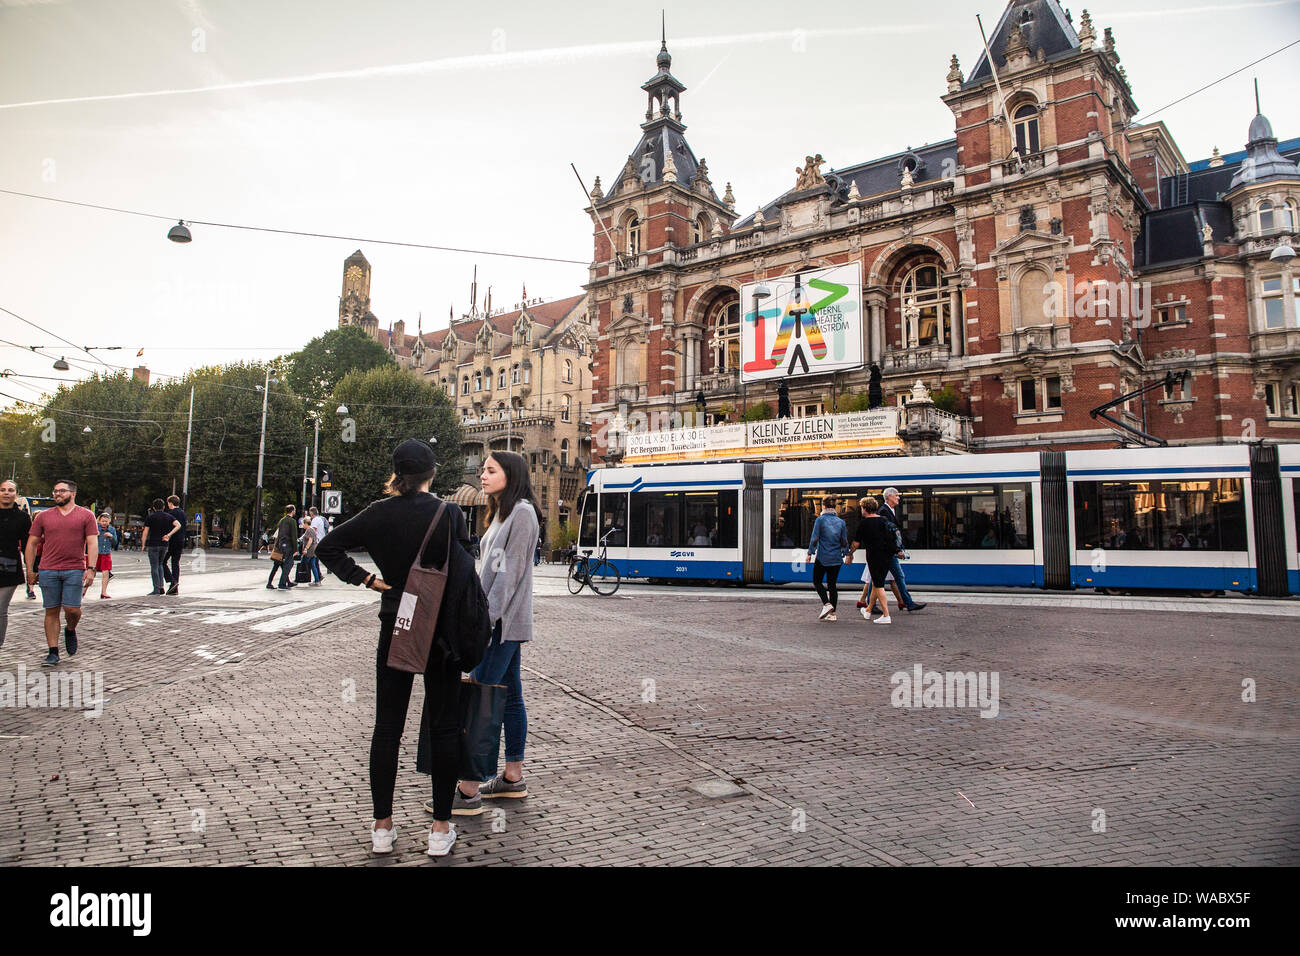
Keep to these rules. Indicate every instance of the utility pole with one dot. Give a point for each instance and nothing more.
(304, 478)
(315, 462)
(185, 484)
(255, 535)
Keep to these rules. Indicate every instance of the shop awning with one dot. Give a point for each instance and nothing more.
(467, 496)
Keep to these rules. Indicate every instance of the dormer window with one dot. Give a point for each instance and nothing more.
(1025, 121)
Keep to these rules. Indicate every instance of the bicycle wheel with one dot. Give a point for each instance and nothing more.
(575, 578)
(604, 578)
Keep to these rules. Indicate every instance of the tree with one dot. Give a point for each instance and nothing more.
(101, 434)
(224, 444)
(759, 412)
(315, 371)
(385, 407)
(18, 432)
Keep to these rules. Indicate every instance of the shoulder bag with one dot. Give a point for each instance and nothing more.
(417, 612)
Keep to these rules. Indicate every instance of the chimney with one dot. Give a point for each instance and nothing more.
(399, 333)
(141, 374)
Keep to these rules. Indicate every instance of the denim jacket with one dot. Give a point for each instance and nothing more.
(830, 539)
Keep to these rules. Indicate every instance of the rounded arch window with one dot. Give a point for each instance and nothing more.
(632, 234)
(464, 385)
(724, 335)
(1266, 218)
(564, 452)
(924, 304)
(1025, 121)
(703, 227)
(568, 370)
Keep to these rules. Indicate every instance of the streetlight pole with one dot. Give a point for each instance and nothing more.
(185, 482)
(261, 453)
(315, 462)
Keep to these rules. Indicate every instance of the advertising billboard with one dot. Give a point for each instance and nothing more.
(810, 324)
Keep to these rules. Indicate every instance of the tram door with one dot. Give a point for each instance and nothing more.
(753, 531)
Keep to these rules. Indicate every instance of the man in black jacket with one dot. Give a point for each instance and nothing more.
(176, 546)
(887, 512)
(286, 542)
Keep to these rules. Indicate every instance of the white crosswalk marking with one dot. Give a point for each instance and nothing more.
(285, 622)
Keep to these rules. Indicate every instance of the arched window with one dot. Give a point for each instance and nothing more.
(568, 370)
(464, 385)
(924, 305)
(1286, 216)
(703, 228)
(632, 234)
(514, 374)
(1025, 120)
(566, 402)
(1265, 216)
(564, 453)
(1031, 299)
(501, 411)
(478, 381)
(501, 377)
(724, 339)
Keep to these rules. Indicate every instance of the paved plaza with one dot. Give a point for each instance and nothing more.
(674, 725)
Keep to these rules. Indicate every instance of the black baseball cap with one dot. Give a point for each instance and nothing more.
(414, 457)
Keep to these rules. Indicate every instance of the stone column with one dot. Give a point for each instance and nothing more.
(958, 343)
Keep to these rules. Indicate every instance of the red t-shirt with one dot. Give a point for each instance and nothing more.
(63, 537)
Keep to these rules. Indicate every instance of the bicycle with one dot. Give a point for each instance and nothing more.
(599, 573)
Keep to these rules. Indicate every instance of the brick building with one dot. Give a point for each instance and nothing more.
(1047, 259)
(520, 380)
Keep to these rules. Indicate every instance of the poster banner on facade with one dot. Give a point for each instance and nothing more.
(811, 324)
(873, 432)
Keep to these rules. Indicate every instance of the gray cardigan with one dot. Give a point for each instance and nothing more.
(506, 572)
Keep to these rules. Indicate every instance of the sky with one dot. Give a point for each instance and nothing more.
(454, 125)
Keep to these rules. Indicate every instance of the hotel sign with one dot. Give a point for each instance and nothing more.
(874, 432)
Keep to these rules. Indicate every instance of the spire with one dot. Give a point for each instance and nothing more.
(1263, 161)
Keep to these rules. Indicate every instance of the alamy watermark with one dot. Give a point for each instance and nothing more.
(955, 689)
(75, 690)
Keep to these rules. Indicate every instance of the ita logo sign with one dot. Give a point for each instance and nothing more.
(810, 324)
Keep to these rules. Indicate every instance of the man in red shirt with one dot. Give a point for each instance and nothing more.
(68, 538)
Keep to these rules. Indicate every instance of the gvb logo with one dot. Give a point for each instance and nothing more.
(77, 909)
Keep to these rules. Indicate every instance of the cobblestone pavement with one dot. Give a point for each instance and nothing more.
(231, 733)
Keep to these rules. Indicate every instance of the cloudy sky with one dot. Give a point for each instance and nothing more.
(453, 124)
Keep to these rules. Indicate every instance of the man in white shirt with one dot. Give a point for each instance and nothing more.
(318, 522)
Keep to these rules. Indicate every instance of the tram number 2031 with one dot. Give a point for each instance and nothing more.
(681, 567)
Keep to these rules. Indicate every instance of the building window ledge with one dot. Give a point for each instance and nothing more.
(1170, 324)
(1040, 418)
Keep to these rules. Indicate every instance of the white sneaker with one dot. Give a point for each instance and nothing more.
(831, 616)
(440, 843)
(882, 620)
(381, 841)
(826, 609)
(866, 615)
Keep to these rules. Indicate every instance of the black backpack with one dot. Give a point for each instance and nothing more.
(464, 626)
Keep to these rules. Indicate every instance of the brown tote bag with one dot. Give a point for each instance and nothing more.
(417, 613)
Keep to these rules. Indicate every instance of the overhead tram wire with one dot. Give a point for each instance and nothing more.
(295, 232)
(55, 334)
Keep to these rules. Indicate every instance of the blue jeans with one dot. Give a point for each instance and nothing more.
(500, 665)
(897, 570)
(157, 557)
(60, 588)
(314, 564)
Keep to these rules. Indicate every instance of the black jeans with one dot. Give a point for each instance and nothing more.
(441, 710)
(172, 567)
(283, 567)
(831, 573)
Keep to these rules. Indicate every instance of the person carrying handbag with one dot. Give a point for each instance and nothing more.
(392, 531)
(506, 570)
(285, 549)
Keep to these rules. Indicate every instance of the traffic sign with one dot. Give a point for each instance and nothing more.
(332, 502)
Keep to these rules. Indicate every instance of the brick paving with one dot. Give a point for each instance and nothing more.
(221, 744)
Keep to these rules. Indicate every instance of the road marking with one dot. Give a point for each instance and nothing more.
(293, 620)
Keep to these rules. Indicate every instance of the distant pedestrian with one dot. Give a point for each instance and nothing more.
(507, 576)
(307, 547)
(14, 527)
(864, 603)
(880, 542)
(318, 522)
(286, 546)
(830, 542)
(68, 538)
(104, 565)
(887, 511)
(391, 530)
(176, 546)
(22, 505)
(159, 526)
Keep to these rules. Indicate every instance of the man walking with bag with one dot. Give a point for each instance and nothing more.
(892, 499)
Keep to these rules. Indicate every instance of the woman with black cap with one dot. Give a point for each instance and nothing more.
(391, 530)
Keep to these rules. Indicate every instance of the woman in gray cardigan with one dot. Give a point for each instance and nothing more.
(506, 570)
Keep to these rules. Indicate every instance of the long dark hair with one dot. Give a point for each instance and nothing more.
(518, 486)
(408, 484)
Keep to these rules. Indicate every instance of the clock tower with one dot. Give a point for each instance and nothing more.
(354, 303)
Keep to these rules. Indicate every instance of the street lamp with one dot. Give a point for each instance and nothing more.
(1283, 253)
(179, 232)
(61, 365)
(261, 454)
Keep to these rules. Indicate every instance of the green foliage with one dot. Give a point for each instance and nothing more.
(18, 433)
(560, 536)
(316, 370)
(854, 402)
(760, 412)
(946, 399)
(386, 406)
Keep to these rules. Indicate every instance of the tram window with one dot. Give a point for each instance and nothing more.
(710, 519)
(657, 520)
(613, 514)
(1201, 515)
(963, 518)
(590, 513)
